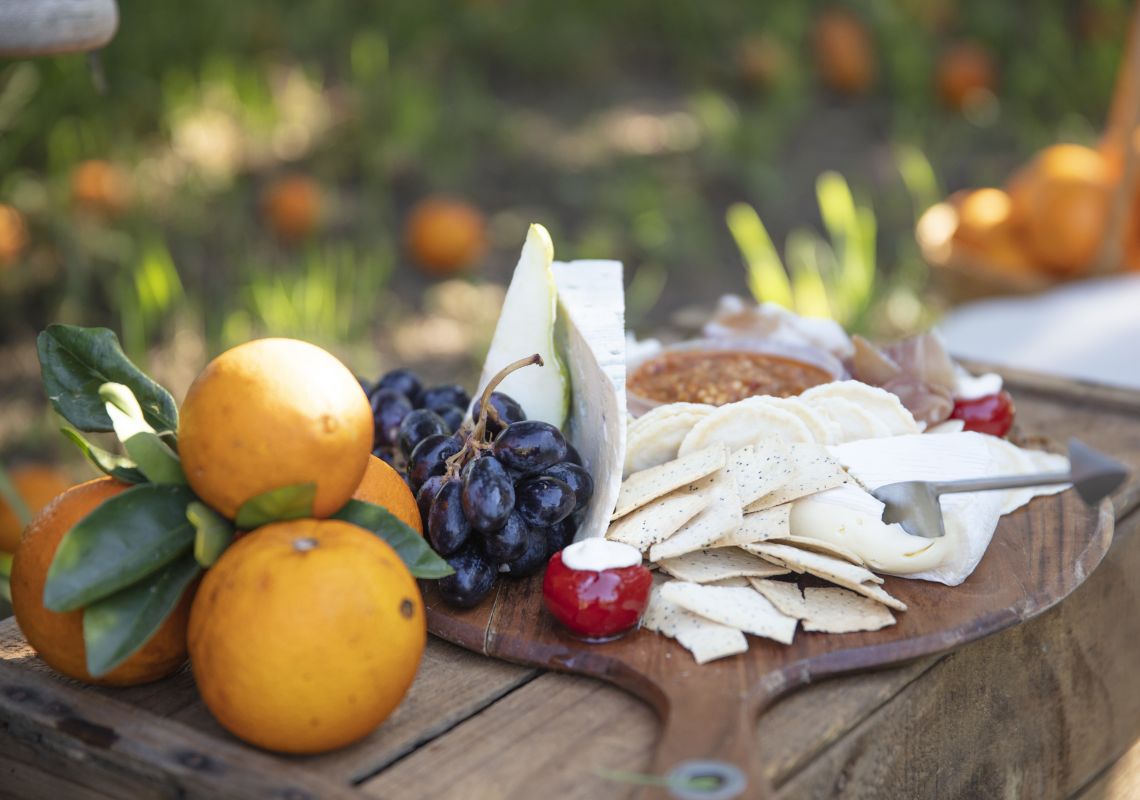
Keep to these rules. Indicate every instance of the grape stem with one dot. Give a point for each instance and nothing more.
(476, 440)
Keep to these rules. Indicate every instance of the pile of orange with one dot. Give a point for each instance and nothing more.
(1050, 220)
(304, 635)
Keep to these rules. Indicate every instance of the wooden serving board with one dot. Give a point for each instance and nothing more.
(1038, 556)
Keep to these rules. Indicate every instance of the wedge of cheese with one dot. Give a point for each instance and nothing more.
(590, 336)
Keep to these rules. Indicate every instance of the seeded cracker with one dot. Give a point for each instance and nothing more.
(643, 487)
(721, 516)
(706, 566)
(734, 582)
(841, 573)
(784, 595)
(654, 438)
(706, 640)
(744, 609)
(759, 470)
(772, 523)
(840, 611)
(659, 520)
(812, 470)
(820, 546)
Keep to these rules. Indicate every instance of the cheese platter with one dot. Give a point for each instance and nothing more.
(742, 468)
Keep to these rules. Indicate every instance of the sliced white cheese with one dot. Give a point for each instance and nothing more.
(590, 335)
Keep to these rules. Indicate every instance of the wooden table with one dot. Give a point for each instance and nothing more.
(1039, 711)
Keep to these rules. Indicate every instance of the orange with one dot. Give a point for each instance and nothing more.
(986, 231)
(965, 70)
(1062, 201)
(58, 638)
(760, 59)
(292, 207)
(100, 188)
(445, 235)
(305, 635)
(844, 54)
(37, 485)
(13, 235)
(383, 486)
(272, 413)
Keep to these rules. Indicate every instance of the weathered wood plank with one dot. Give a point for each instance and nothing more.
(545, 739)
(1031, 713)
(111, 737)
(1119, 781)
(28, 770)
(452, 685)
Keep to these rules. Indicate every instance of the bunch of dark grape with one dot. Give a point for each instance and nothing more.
(500, 495)
(405, 413)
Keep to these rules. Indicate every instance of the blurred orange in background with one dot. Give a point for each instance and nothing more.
(293, 207)
(844, 55)
(445, 235)
(100, 188)
(13, 235)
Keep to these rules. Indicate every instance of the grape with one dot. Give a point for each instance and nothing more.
(473, 579)
(543, 501)
(532, 558)
(389, 408)
(507, 542)
(576, 478)
(403, 381)
(488, 494)
(509, 412)
(438, 397)
(417, 426)
(572, 455)
(560, 534)
(448, 529)
(452, 415)
(427, 493)
(430, 457)
(530, 446)
(389, 457)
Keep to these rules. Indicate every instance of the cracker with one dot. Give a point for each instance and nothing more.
(850, 576)
(854, 421)
(705, 639)
(820, 546)
(885, 406)
(784, 595)
(721, 516)
(823, 429)
(736, 582)
(813, 470)
(772, 523)
(840, 611)
(658, 520)
(759, 470)
(643, 487)
(743, 609)
(654, 438)
(740, 424)
(706, 566)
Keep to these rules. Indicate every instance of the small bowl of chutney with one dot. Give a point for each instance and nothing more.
(724, 370)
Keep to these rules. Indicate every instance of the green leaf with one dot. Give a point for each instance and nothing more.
(766, 276)
(6, 564)
(10, 495)
(276, 505)
(76, 361)
(127, 537)
(6, 589)
(153, 456)
(118, 467)
(115, 627)
(420, 559)
(213, 533)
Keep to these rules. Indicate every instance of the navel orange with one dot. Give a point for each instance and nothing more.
(58, 638)
(383, 486)
(37, 485)
(1062, 200)
(272, 413)
(305, 635)
(445, 235)
(844, 55)
(292, 207)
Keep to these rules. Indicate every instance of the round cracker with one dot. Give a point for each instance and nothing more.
(885, 406)
(740, 424)
(655, 437)
(854, 421)
(823, 429)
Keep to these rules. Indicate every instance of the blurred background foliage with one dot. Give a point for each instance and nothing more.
(225, 170)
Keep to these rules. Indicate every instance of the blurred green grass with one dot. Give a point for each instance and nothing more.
(628, 129)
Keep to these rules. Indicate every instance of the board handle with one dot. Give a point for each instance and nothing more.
(711, 737)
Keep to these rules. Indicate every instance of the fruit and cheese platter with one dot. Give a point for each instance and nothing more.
(708, 524)
(706, 515)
